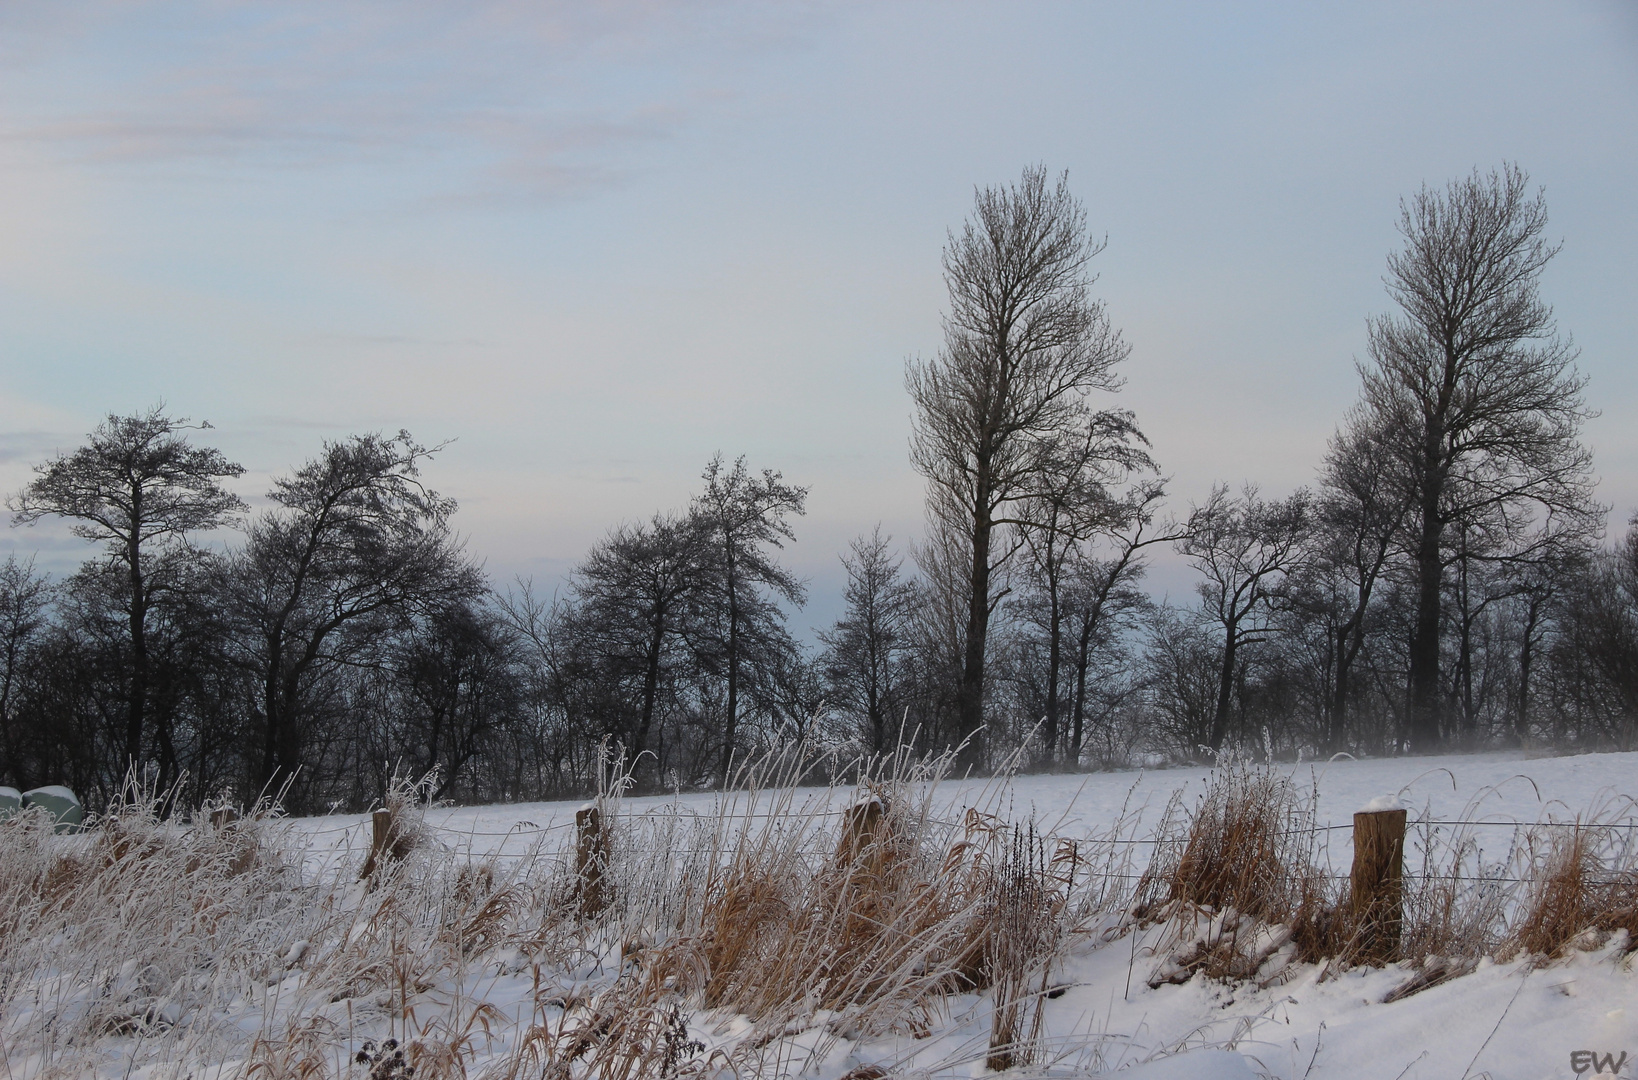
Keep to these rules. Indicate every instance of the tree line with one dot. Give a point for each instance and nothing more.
(1442, 582)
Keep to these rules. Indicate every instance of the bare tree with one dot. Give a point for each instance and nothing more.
(1479, 393)
(357, 541)
(1102, 593)
(25, 602)
(863, 650)
(1594, 657)
(1247, 549)
(744, 515)
(455, 686)
(1363, 503)
(1075, 502)
(1024, 346)
(1539, 587)
(635, 600)
(140, 488)
(938, 620)
(1182, 677)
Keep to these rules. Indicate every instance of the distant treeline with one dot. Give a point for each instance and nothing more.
(1443, 583)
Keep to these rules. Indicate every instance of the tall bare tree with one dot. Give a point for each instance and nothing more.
(744, 515)
(1024, 346)
(1247, 549)
(1478, 391)
(138, 487)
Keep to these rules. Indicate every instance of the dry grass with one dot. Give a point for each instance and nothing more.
(1243, 847)
(796, 918)
(1238, 881)
(1583, 887)
(668, 945)
(1244, 889)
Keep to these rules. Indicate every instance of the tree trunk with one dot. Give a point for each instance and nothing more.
(288, 746)
(651, 689)
(1049, 737)
(1521, 716)
(733, 668)
(1350, 639)
(1225, 688)
(873, 701)
(272, 714)
(136, 703)
(970, 700)
(1424, 710)
(1083, 660)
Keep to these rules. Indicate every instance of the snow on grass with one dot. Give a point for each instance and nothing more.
(779, 932)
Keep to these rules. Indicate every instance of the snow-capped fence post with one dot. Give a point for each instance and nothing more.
(863, 829)
(1377, 880)
(591, 856)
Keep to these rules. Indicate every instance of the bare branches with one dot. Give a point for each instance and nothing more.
(140, 488)
(1247, 550)
(1002, 411)
(136, 480)
(1474, 389)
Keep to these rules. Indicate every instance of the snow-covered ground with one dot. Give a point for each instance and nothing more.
(1507, 1020)
(293, 972)
(1499, 788)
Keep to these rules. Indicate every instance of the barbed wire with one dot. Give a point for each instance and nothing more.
(662, 815)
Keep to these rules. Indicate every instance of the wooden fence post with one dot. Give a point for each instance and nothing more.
(862, 830)
(1378, 894)
(591, 856)
(381, 840)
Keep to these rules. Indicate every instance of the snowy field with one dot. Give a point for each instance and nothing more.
(1507, 1020)
(1499, 788)
(296, 979)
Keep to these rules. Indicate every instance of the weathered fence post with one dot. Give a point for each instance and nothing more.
(591, 857)
(862, 833)
(381, 841)
(1378, 897)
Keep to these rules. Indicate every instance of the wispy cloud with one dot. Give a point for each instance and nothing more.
(488, 101)
(393, 340)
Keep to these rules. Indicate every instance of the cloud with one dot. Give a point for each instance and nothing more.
(393, 340)
(487, 101)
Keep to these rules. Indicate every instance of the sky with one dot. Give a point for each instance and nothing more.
(591, 245)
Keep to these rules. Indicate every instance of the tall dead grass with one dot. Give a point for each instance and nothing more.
(1244, 886)
(754, 938)
(794, 915)
(1582, 886)
(1237, 881)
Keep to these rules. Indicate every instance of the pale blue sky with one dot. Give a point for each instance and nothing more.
(597, 243)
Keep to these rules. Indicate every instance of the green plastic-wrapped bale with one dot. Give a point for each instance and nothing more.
(60, 803)
(11, 801)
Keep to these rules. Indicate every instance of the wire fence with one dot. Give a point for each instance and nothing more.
(824, 847)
